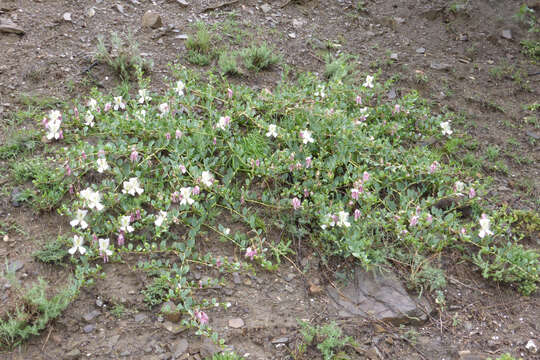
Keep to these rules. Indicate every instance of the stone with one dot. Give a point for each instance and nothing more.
(179, 348)
(8, 26)
(468, 355)
(379, 296)
(420, 50)
(292, 35)
(14, 198)
(152, 20)
(15, 266)
(533, 135)
(182, 2)
(119, 8)
(266, 8)
(89, 328)
(173, 328)
(531, 347)
(236, 323)
(91, 315)
(99, 302)
(67, 17)
(281, 340)
(394, 56)
(506, 34)
(439, 66)
(208, 348)
(73, 354)
(140, 317)
(113, 340)
(170, 312)
(297, 23)
(91, 12)
(290, 277)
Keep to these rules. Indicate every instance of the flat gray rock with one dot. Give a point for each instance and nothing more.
(379, 296)
(8, 26)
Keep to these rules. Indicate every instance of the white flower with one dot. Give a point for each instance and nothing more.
(77, 245)
(55, 115)
(343, 219)
(226, 231)
(118, 104)
(79, 219)
(125, 224)
(328, 220)
(364, 111)
(132, 187)
(141, 115)
(446, 130)
(164, 109)
(207, 178)
(306, 137)
(160, 218)
(102, 165)
(484, 226)
(92, 199)
(92, 104)
(185, 196)
(223, 122)
(459, 186)
(320, 92)
(54, 128)
(272, 130)
(89, 119)
(104, 247)
(144, 96)
(369, 82)
(179, 89)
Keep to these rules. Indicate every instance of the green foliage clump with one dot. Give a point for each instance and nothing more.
(259, 58)
(35, 312)
(199, 46)
(328, 338)
(228, 64)
(54, 252)
(157, 291)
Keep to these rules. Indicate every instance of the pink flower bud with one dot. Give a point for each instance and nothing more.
(257, 163)
(71, 189)
(134, 156)
(414, 220)
(76, 112)
(183, 169)
(168, 136)
(358, 100)
(215, 141)
(178, 134)
(296, 204)
(196, 190)
(429, 218)
(472, 193)
(61, 134)
(229, 93)
(120, 239)
(308, 162)
(138, 214)
(306, 192)
(68, 170)
(365, 176)
(107, 107)
(201, 317)
(357, 214)
(101, 153)
(83, 155)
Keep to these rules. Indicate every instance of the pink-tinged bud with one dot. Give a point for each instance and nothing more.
(94, 238)
(257, 163)
(308, 162)
(296, 204)
(250, 253)
(215, 141)
(68, 170)
(131, 218)
(298, 165)
(433, 167)
(107, 107)
(98, 109)
(83, 155)
(168, 136)
(138, 214)
(101, 153)
(178, 134)
(429, 218)
(183, 169)
(134, 156)
(242, 201)
(121, 238)
(291, 167)
(365, 176)
(45, 121)
(463, 231)
(175, 197)
(196, 190)
(230, 93)
(200, 284)
(76, 112)
(414, 220)
(61, 134)
(418, 210)
(472, 193)
(359, 100)
(306, 192)
(218, 262)
(71, 191)
(357, 214)
(350, 203)
(397, 108)
(355, 194)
